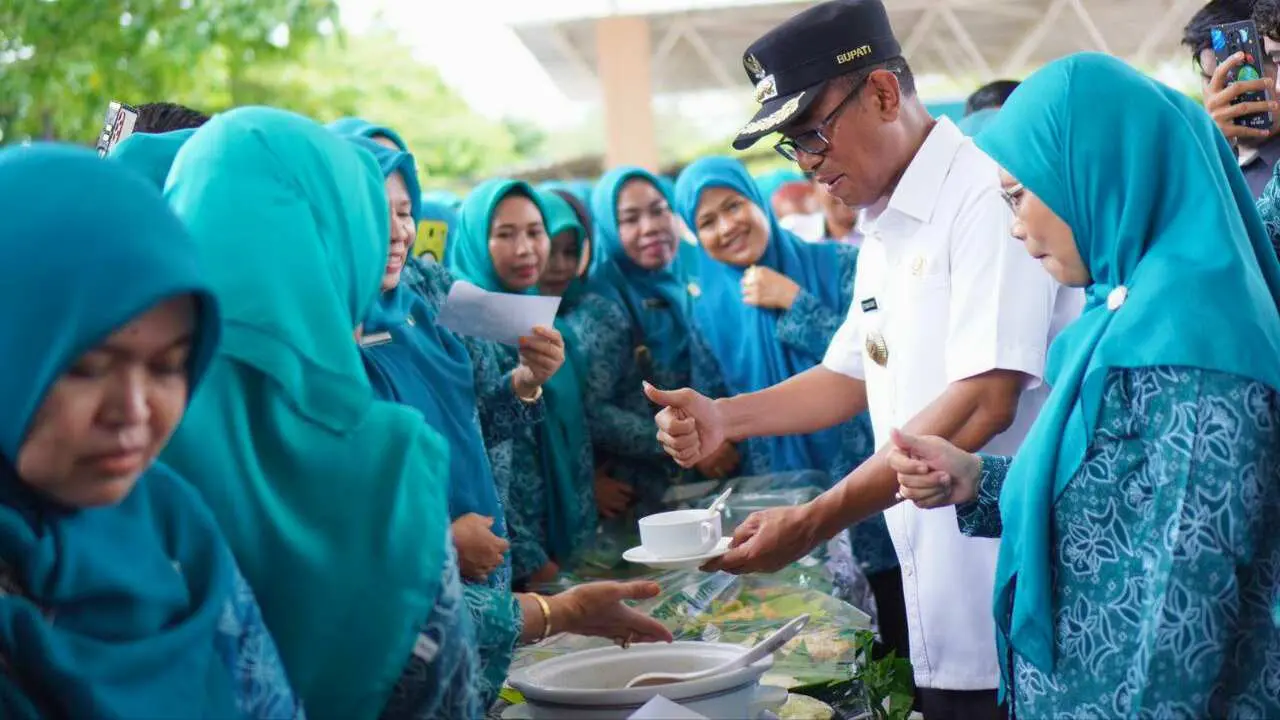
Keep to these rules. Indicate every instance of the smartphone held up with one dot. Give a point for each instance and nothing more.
(1242, 37)
(117, 126)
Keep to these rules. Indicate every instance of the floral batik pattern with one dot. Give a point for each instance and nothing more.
(1166, 555)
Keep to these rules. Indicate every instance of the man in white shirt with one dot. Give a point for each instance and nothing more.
(946, 336)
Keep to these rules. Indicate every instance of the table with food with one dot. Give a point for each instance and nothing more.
(824, 671)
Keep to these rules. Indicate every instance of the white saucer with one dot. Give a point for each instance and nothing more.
(640, 556)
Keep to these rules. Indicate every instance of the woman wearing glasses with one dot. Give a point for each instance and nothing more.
(1139, 558)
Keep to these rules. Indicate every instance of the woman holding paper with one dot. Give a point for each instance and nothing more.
(334, 502)
(413, 361)
(499, 402)
(544, 472)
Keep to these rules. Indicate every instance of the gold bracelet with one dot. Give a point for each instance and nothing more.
(537, 395)
(546, 616)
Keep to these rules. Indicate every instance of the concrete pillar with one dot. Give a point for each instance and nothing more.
(625, 65)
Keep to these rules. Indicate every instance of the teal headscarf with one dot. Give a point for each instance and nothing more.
(333, 502)
(580, 189)
(151, 154)
(391, 162)
(1158, 207)
(745, 338)
(428, 368)
(975, 123)
(615, 277)
(560, 217)
(772, 181)
(363, 128)
(132, 637)
(565, 429)
(445, 198)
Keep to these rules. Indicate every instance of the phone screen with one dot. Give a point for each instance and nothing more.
(1242, 37)
(116, 126)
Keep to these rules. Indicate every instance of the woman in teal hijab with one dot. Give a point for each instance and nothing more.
(1139, 558)
(634, 327)
(502, 244)
(152, 616)
(151, 154)
(413, 361)
(360, 127)
(334, 502)
(974, 123)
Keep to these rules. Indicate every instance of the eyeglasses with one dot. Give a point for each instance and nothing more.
(815, 141)
(1013, 196)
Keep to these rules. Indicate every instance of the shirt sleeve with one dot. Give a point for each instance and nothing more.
(1269, 209)
(262, 688)
(502, 412)
(1001, 300)
(808, 326)
(605, 333)
(844, 354)
(980, 517)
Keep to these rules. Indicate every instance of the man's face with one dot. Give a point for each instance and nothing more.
(866, 146)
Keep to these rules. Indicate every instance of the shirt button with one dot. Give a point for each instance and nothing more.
(907, 570)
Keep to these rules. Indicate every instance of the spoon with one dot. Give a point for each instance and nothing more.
(718, 505)
(767, 647)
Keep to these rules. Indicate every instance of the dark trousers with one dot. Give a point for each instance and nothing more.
(960, 705)
(891, 612)
(891, 609)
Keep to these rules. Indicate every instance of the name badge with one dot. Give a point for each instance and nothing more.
(656, 304)
(869, 305)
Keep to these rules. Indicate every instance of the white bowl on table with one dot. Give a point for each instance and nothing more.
(589, 685)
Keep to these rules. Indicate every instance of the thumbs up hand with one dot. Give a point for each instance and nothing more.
(932, 472)
(690, 427)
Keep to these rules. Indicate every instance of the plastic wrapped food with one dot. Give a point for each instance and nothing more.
(726, 608)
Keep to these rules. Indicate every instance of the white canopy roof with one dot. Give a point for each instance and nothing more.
(698, 44)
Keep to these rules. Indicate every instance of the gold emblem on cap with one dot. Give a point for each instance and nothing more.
(766, 90)
(877, 348)
(775, 118)
(753, 66)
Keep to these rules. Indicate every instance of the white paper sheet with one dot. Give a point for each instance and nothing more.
(501, 317)
(660, 708)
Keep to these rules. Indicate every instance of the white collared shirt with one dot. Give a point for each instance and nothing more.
(954, 295)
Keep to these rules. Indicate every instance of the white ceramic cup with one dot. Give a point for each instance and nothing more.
(680, 533)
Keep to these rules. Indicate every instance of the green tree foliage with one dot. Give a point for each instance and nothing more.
(62, 60)
(375, 77)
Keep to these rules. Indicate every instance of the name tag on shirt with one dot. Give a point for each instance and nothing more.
(869, 305)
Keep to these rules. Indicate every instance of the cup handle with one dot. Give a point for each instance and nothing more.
(706, 529)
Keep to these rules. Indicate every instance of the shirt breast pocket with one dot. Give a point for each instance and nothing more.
(922, 323)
